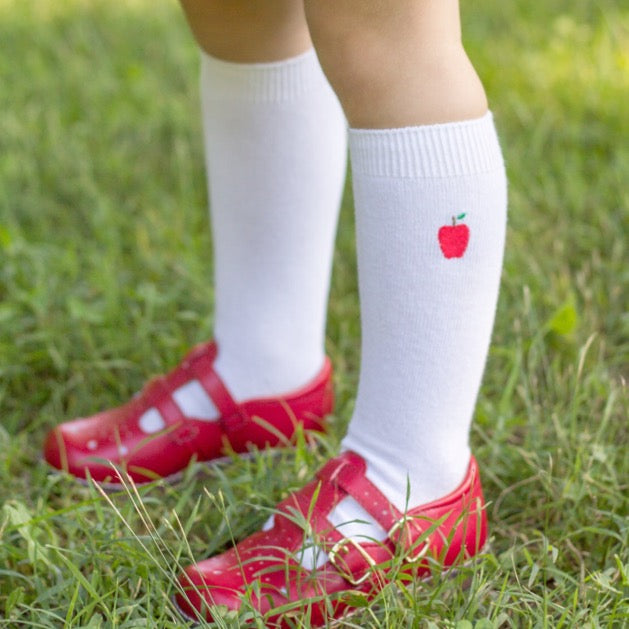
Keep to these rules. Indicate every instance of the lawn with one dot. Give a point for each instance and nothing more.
(105, 269)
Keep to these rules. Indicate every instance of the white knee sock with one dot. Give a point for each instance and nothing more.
(276, 144)
(428, 295)
(276, 152)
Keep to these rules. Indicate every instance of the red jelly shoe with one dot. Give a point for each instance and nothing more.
(265, 572)
(163, 447)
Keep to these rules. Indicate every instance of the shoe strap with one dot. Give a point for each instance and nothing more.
(427, 528)
(199, 363)
(158, 394)
(348, 472)
(412, 533)
(339, 478)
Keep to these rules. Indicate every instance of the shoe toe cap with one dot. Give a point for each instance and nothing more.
(199, 592)
(74, 447)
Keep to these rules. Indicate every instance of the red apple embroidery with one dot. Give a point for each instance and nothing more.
(453, 238)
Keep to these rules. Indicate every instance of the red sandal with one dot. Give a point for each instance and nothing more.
(265, 570)
(92, 444)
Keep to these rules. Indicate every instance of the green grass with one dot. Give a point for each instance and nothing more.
(104, 279)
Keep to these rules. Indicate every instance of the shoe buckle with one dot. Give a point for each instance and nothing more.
(342, 547)
(408, 558)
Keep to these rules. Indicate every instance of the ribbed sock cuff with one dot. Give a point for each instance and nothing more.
(265, 82)
(451, 149)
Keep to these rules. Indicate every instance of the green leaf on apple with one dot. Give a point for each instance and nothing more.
(461, 216)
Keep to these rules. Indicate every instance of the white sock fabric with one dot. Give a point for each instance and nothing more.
(276, 153)
(427, 307)
(276, 148)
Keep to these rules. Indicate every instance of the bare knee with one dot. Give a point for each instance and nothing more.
(248, 30)
(395, 62)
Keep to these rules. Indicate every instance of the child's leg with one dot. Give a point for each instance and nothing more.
(275, 145)
(424, 156)
(276, 142)
(424, 152)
